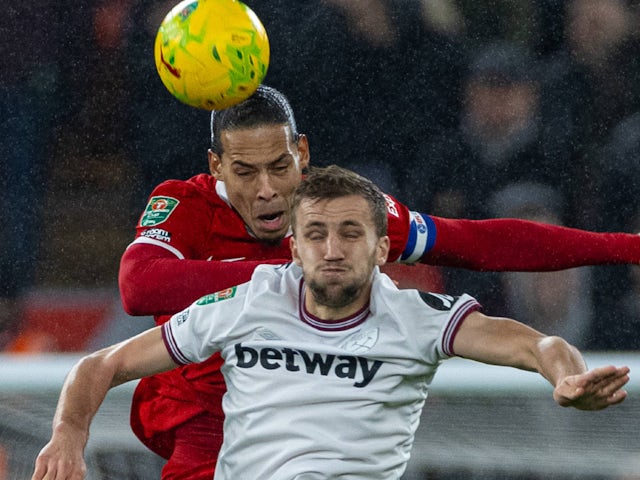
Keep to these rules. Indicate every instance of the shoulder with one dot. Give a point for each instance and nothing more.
(284, 279)
(200, 186)
(408, 299)
(446, 303)
(189, 206)
(177, 198)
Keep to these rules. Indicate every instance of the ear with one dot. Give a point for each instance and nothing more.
(294, 251)
(384, 244)
(215, 164)
(303, 150)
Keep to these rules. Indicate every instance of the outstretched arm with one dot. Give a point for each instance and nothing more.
(84, 391)
(502, 341)
(522, 245)
(153, 281)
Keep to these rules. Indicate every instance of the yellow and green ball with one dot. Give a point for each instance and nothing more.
(211, 54)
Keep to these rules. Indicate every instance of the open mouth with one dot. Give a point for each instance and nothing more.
(270, 217)
(272, 220)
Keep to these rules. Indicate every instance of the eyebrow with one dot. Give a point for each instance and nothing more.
(346, 223)
(281, 158)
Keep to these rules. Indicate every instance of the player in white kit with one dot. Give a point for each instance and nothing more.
(327, 363)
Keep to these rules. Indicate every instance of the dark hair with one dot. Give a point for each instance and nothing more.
(502, 64)
(334, 182)
(266, 106)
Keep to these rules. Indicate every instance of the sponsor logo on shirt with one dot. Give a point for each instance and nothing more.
(217, 296)
(350, 367)
(438, 301)
(420, 223)
(182, 317)
(158, 234)
(265, 334)
(158, 210)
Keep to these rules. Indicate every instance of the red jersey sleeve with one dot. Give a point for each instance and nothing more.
(152, 281)
(399, 224)
(521, 245)
(503, 244)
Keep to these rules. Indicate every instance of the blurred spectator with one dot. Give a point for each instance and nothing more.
(499, 139)
(592, 82)
(363, 75)
(622, 331)
(558, 303)
(617, 166)
(33, 51)
(617, 169)
(490, 20)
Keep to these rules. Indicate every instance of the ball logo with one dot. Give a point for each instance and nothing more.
(173, 71)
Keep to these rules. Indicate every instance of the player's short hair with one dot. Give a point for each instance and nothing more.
(266, 106)
(334, 182)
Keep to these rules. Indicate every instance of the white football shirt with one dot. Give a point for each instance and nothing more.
(311, 400)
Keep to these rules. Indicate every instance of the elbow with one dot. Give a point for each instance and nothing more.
(564, 356)
(132, 297)
(131, 307)
(133, 290)
(553, 343)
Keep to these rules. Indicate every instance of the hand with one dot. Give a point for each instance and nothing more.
(61, 459)
(593, 390)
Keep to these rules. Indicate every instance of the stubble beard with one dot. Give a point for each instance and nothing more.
(333, 295)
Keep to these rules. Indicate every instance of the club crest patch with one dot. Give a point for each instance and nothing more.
(158, 210)
(217, 296)
(361, 341)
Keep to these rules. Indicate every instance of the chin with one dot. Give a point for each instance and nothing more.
(273, 239)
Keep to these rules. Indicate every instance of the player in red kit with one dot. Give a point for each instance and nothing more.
(208, 233)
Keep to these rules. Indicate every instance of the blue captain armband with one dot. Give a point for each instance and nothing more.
(422, 237)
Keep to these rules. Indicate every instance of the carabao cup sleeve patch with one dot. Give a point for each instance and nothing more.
(217, 296)
(158, 210)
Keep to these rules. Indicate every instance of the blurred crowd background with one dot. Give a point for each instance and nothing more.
(459, 108)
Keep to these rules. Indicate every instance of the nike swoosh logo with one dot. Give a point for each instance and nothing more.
(229, 259)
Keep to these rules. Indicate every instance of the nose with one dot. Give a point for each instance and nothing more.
(266, 191)
(333, 248)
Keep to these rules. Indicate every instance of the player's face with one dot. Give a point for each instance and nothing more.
(337, 247)
(260, 168)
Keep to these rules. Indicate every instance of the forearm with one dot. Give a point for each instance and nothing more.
(503, 341)
(83, 392)
(154, 283)
(521, 245)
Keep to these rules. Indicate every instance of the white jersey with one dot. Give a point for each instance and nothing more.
(311, 400)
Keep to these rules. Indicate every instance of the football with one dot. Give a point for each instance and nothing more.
(211, 54)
